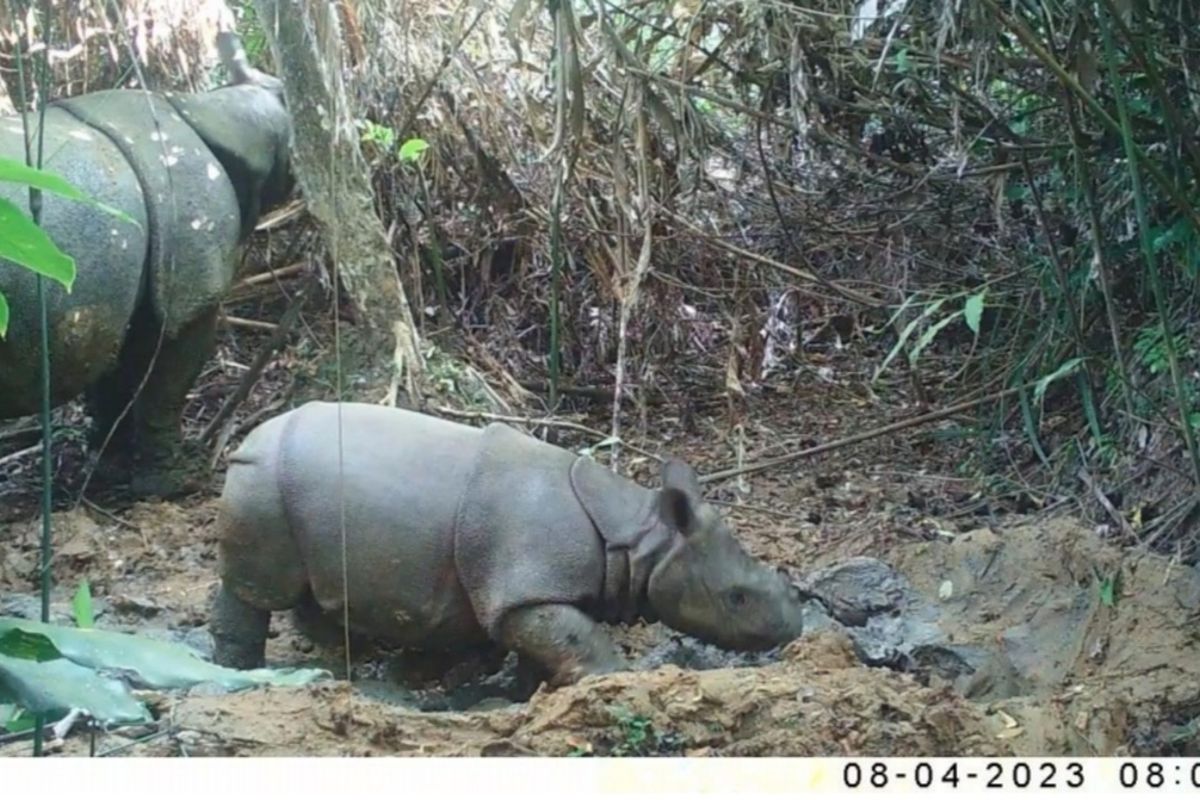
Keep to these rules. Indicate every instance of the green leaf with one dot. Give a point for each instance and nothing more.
(55, 687)
(973, 311)
(16, 719)
(1163, 239)
(412, 149)
(26, 244)
(930, 333)
(904, 334)
(17, 172)
(52, 669)
(1108, 589)
(3, 316)
(82, 604)
(149, 663)
(29, 645)
(902, 63)
(1016, 191)
(1039, 391)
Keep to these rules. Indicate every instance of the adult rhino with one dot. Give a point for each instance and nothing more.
(195, 172)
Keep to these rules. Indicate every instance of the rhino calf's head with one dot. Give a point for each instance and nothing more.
(706, 585)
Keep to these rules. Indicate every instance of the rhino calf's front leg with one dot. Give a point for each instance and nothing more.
(562, 640)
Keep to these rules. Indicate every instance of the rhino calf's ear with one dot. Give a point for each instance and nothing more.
(678, 475)
(677, 510)
(680, 498)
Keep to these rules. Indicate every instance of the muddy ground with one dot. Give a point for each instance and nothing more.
(1053, 641)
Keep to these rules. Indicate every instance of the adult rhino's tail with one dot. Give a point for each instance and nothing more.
(260, 560)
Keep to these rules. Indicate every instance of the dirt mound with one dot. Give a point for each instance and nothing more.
(1052, 642)
(1109, 637)
(816, 701)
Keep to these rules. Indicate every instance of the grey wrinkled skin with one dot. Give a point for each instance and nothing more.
(458, 536)
(194, 172)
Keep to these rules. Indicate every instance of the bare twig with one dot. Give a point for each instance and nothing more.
(242, 322)
(272, 274)
(110, 516)
(548, 422)
(771, 512)
(924, 419)
(260, 362)
(804, 275)
(1122, 523)
(19, 454)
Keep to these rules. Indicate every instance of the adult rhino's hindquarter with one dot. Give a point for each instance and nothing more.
(194, 172)
(87, 325)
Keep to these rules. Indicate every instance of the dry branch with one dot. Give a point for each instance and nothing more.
(278, 336)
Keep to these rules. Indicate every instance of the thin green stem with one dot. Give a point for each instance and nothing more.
(1143, 219)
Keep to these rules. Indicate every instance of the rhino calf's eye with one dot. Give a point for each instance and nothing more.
(737, 597)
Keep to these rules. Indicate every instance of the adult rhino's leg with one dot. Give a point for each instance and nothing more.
(112, 418)
(165, 466)
(109, 402)
(561, 639)
(111, 399)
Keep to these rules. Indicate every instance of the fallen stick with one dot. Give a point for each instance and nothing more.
(231, 429)
(19, 433)
(281, 216)
(1124, 525)
(260, 362)
(796, 272)
(19, 454)
(271, 274)
(242, 322)
(592, 392)
(924, 419)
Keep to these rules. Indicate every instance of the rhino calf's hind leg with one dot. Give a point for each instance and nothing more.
(562, 640)
(239, 631)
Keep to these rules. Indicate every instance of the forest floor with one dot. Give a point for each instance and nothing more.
(1100, 645)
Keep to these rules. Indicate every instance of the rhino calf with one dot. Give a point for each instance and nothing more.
(457, 536)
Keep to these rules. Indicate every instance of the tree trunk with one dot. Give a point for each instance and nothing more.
(306, 41)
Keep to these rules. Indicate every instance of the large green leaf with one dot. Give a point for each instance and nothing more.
(26, 244)
(28, 645)
(52, 669)
(17, 172)
(55, 687)
(150, 663)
